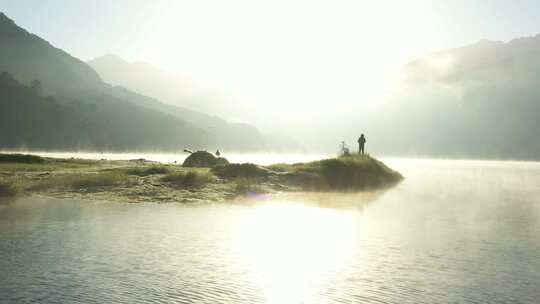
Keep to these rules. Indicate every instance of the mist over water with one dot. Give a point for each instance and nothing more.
(452, 231)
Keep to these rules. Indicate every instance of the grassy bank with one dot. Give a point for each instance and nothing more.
(21, 159)
(353, 172)
(345, 173)
(8, 188)
(189, 179)
(145, 181)
(82, 181)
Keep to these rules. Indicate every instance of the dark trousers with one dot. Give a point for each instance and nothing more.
(360, 148)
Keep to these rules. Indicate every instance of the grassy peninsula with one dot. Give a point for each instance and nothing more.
(146, 181)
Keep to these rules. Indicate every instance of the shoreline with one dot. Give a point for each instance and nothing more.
(140, 181)
(262, 158)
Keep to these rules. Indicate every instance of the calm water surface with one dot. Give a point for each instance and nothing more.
(452, 232)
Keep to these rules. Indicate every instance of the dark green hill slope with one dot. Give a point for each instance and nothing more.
(28, 57)
(30, 121)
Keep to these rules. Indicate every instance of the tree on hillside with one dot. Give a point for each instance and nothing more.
(36, 87)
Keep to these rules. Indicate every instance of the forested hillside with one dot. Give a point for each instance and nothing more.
(31, 121)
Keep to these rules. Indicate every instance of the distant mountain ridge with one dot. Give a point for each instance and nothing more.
(173, 89)
(455, 63)
(143, 78)
(19, 47)
(28, 57)
(481, 100)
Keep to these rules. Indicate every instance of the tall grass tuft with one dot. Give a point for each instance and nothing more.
(357, 172)
(351, 172)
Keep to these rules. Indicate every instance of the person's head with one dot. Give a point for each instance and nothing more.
(362, 135)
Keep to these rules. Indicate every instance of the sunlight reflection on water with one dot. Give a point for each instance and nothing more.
(294, 249)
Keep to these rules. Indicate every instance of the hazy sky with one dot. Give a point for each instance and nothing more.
(274, 53)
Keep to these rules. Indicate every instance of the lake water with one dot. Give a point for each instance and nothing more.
(452, 232)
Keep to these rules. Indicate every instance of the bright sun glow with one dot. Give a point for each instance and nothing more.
(295, 248)
(305, 55)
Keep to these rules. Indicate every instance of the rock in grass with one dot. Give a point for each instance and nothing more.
(204, 159)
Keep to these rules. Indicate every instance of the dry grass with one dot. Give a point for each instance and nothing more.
(83, 181)
(234, 171)
(145, 171)
(353, 172)
(189, 179)
(245, 186)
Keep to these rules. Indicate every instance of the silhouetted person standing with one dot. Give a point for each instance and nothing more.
(361, 144)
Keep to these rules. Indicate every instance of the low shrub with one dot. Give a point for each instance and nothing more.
(233, 171)
(246, 186)
(279, 167)
(21, 158)
(8, 188)
(104, 179)
(145, 171)
(189, 179)
(76, 161)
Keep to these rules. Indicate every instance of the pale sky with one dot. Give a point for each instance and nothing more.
(298, 54)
